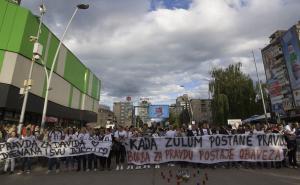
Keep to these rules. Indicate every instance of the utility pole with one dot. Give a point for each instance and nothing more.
(261, 92)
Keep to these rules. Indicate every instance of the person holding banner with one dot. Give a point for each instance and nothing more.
(106, 136)
(92, 158)
(12, 139)
(120, 136)
(26, 161)
(83, 136)
(56, 135)
(69, 136)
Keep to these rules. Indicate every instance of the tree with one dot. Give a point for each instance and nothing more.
(220, 108)
(233, 94)
(139, 121)
(184, 117)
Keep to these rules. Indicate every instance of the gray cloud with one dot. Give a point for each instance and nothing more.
(140, 53)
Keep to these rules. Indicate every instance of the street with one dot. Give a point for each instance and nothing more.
(234, 176)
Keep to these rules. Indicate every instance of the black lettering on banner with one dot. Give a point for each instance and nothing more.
(2, 146)
(249, 140)
(259, 138)
(168, 144)
(143, 143)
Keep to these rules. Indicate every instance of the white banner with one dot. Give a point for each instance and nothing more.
(33, 148)
(206, 149)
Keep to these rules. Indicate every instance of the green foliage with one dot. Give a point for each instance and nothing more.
(233, 94)
(139, 121)
(184, 117)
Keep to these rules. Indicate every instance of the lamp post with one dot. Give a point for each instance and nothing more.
(191, 113)
(37, 52)
(49, 76)
(260, 89)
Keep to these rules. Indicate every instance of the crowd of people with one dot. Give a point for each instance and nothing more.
(118, 135)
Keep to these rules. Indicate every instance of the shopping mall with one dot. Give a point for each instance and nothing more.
(74, 92)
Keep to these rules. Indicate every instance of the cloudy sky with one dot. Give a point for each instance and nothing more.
(160, 49)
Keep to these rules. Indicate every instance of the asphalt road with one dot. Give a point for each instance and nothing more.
(154, 177)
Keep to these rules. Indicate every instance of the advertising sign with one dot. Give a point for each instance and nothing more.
(291, 51)
(273, 79)
(234, 123)
(158, 111)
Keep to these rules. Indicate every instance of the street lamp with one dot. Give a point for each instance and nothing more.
(261, 92)
(49, 76)
(37, 52)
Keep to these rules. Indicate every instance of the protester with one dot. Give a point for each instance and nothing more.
(12, 139)
(69, 135)
(290, 133)
(105, 136)
(119, 138)
(82, 136)
(55, 135)
(92, 158)
(26, 161)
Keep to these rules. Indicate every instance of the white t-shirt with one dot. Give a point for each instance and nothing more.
(205, 132)
(70, 137)
(12, 140)
(120, 135)
(82, 136)
(107, 137)
(171, 133)
(31, 138)
(258, 131)
(55, 136)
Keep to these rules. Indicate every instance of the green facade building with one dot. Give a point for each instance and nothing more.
(75, 90)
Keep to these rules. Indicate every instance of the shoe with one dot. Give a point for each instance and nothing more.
(57, 171)
(117, 168)
(20, 173)
(48, 171)
(121, 168)
(157, 166)
(87, 170)
(138, 167)
(295, 167)
(11, 172)
(28, 172)
(128, 167)
(95, 170)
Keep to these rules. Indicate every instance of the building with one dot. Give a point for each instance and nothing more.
(201, 109)
(105, 116)
(142, 111)
(123, 112)
(75, 90)
(277, 74)
(281, 58)
(183, 102)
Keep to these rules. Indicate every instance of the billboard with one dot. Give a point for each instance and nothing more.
(158, 111)
(291, 51)
(274, 81)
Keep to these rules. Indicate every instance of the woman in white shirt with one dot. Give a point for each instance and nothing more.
(119, 137)
(12, 139)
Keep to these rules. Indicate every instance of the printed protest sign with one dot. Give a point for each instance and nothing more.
(206, 149)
